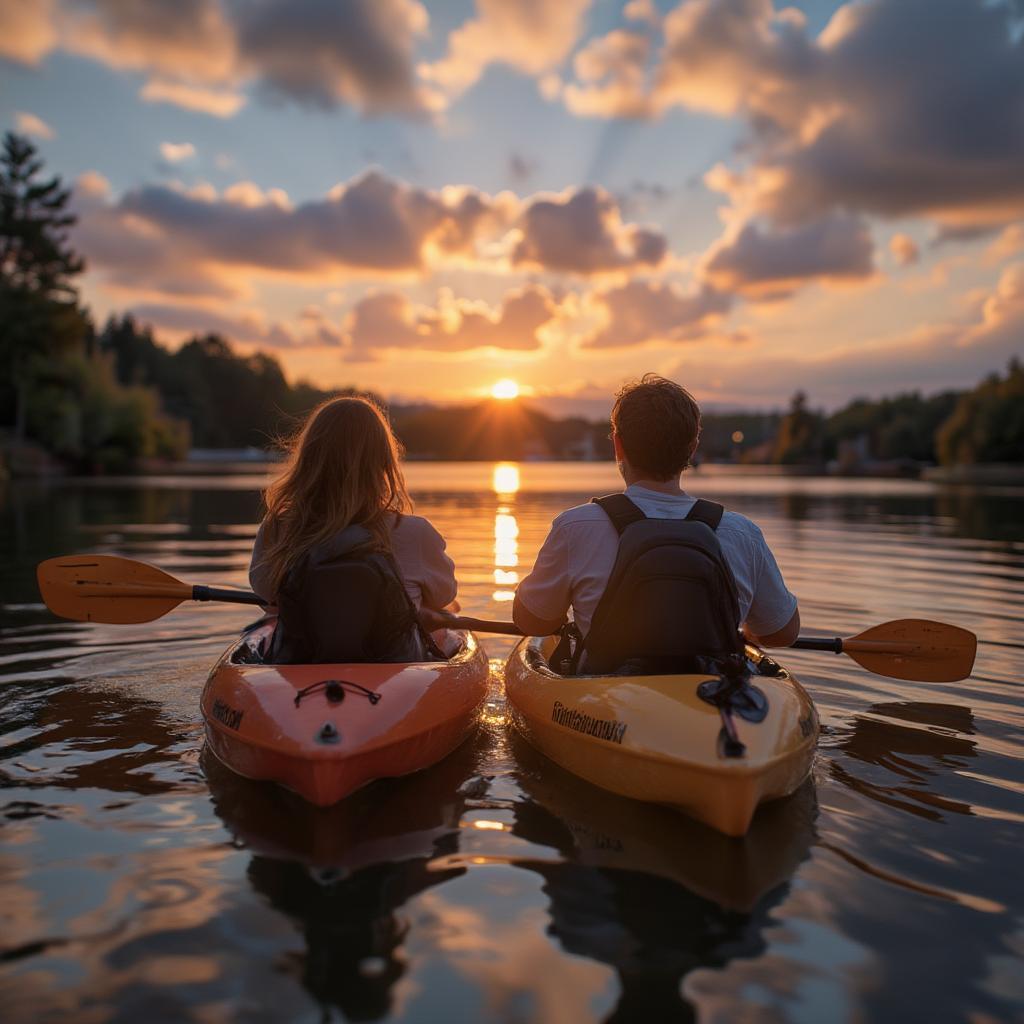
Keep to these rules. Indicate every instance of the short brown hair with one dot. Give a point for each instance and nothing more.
(658, 423)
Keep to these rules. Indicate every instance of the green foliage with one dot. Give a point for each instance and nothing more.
(39, 318)
(228, 400)
(901, 427)
(51, 389)
(987, 424)
(82, 414)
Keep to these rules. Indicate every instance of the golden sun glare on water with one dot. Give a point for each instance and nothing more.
(506, 389)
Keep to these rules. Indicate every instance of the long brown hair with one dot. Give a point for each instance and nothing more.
(342, 468)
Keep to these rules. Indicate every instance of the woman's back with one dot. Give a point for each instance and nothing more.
(427, 572)
(339, 554)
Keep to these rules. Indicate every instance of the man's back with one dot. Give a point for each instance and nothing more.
(576, 561)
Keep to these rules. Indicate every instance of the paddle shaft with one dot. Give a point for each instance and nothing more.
(179, 591)
(485, 625)
(834, 645)
(837, 645)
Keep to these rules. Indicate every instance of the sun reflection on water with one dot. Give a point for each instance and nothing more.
(506, 532)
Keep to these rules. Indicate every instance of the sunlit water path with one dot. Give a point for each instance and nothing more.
(139, 881)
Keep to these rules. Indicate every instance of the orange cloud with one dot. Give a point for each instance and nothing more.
(870, 116)
(581, 231)
(167, 239)
(388, 320)
(27, 31)
(904, 250)
(612, 77)
(225, 102)
(529, 36)
(29, 124)
(772, 263)
(644, 311)
(203, 54)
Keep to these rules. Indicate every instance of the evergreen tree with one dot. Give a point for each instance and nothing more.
(39, 314)
(800, 439)
(987, 424)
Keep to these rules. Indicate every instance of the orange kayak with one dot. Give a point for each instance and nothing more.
(326, 730)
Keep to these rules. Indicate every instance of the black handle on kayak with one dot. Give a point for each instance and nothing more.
(834, 644)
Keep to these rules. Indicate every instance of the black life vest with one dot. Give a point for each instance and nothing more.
(344, 602)
(671, 597)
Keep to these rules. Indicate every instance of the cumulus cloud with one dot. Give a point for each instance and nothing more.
(388, 320)
(646, 311)
(27, 31)
(897, 108)
(1002, 312)
(581, 231)
(532, 36)
(167, 238)
(324, 53)
(771, 263)
(186, 41)
(372, 224)
(204, 54)
(904, 250)
(29, 124)
(1009, 243)
(177, 152)
(612, 75)
(225, 102)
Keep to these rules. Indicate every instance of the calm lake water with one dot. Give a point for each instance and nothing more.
(139, 881)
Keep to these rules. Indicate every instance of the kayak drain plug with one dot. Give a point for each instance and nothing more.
(328, 733)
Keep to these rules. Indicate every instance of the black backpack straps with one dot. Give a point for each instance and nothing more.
(707, 512)
(620, 510)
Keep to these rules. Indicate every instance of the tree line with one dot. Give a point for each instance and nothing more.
(103, 400)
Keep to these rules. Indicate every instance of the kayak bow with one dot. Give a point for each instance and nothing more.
(324, 731)
(667, 739)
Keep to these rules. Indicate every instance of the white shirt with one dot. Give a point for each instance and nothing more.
(576, 561)
(427, 572)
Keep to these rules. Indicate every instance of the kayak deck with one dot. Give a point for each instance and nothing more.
(653, 738)
(324, 731)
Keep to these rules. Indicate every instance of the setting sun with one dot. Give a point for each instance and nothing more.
(505, 389)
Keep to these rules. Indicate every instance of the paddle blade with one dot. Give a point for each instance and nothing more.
(915, 649)
(106, 588)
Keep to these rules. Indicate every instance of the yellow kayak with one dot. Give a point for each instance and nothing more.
(656, 738)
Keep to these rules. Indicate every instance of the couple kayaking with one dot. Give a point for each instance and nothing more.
(357, 578)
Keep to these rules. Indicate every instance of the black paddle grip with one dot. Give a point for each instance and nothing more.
(201, 593)
(833, 645)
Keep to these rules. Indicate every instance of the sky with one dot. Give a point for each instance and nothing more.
(423, 198)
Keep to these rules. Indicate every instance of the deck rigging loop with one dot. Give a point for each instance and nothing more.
(335, 689)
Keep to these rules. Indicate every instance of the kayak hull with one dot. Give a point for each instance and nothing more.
(391, 720)
(653, 738)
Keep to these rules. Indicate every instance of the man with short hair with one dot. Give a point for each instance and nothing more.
(655, 430)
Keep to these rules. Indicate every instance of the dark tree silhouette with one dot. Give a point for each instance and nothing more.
(39, 314)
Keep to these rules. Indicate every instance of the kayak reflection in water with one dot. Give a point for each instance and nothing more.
(629, 885)
(343, 873)
(355, 576)
(650, 893)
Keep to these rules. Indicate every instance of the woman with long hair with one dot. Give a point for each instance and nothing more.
(350, 569)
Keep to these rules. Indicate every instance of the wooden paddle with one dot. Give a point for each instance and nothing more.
(108, 588)
(918, 649)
